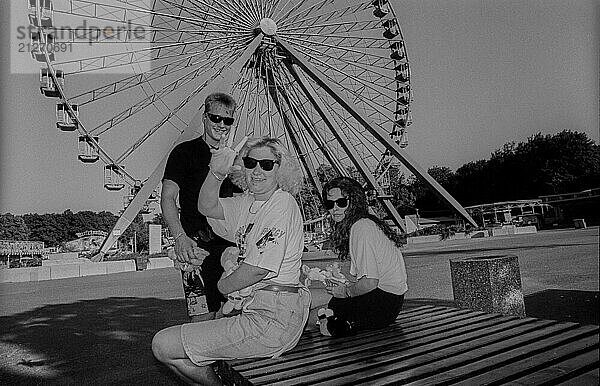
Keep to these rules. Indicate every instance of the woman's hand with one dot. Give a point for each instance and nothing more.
(223, 157)
(337, 291)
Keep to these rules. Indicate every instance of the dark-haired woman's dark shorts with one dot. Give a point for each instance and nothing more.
(375, 309)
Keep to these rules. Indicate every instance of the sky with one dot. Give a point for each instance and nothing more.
(484, 73)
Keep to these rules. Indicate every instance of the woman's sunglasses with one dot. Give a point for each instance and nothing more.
(265, 164)
(214, 118)
(341, 203)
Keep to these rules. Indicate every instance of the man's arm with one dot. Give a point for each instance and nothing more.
(185, 247)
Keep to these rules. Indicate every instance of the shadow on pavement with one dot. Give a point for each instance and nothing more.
(564, 305)
(89, 342)
(554, 304)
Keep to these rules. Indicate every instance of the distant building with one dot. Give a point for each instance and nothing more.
(86, 241)
(535, 212)
(12, 251)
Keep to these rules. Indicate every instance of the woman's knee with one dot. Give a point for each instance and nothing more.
(166, 344)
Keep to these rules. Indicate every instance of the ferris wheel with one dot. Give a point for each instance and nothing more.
(331, 78)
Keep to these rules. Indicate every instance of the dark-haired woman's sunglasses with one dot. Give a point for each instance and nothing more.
(341, 203)
(214, 118)
(265, 164)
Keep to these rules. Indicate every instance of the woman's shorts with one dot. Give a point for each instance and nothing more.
(270, 325)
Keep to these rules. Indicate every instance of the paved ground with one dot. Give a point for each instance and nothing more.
(98, 329)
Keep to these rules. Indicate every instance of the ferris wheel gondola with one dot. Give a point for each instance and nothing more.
(329, 77)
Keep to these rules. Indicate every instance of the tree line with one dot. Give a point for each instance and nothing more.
(568, 161)
(55, 229)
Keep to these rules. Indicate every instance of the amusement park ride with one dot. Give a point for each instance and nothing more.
(331, 78)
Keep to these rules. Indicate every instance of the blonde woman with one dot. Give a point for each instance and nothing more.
(266, 225)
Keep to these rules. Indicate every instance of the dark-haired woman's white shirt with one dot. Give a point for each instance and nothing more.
(375, 256)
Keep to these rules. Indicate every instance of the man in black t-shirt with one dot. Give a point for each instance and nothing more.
(186, 169)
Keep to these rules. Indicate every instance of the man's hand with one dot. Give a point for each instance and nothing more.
(186, 251)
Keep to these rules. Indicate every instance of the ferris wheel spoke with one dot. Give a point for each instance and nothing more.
(295, 12)
(149, 100)
(226, 7)
(170, 115)
(164, 70)
(355, 61)
(334, 14)
(164, 51)
(322, 139)
(360, 139)
(128, 16)
(346, 26)
(203, 15)
(344, 76)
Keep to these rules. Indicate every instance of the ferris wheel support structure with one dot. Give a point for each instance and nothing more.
(300, 149)
(342, 139)
(383, 137)
(222, 82)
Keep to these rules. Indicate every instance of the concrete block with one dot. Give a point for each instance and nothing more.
(423, 239)
(489, 284)
(159, 262)
(40, 273)
(15, 275)
(525, 229)
(120, 266)
(499, 231)
(89, 269)
(62, 271)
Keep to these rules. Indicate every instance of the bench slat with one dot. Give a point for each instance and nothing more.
(591, 378)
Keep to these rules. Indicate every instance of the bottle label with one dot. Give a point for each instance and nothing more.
(195, 295)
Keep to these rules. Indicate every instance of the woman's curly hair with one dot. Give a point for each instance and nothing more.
(288, 176)
(357, 209)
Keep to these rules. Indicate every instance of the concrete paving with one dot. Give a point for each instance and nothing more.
(98, 329)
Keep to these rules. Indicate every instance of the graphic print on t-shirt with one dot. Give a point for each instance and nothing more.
(240, 239)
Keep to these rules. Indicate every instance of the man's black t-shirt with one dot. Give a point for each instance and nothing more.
(187, 166)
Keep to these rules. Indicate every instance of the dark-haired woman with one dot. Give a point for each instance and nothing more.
(374, 299)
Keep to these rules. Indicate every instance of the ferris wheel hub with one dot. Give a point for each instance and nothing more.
(268, 26)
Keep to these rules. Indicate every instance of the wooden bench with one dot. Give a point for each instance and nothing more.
(435, 345)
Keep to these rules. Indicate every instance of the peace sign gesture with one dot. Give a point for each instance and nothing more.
(223, 157)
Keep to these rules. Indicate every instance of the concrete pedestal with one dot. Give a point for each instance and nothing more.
(489, 284)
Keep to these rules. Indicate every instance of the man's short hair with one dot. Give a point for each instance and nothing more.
(219, 97)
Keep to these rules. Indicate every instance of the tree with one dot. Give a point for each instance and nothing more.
(13, 228)
(546, 164)
(138, 231)
(425, 199)
(403, 198)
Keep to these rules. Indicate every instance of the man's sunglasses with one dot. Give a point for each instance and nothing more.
(214, 118)
(265, 164)
(341, 203)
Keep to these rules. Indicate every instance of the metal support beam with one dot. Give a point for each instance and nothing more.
(222, 82)
(344, 142)
(380, 134)
(298, 146)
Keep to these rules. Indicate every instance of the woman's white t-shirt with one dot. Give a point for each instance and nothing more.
(269, 235)
(375, 256)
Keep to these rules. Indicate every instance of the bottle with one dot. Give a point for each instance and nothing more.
(195, 293)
